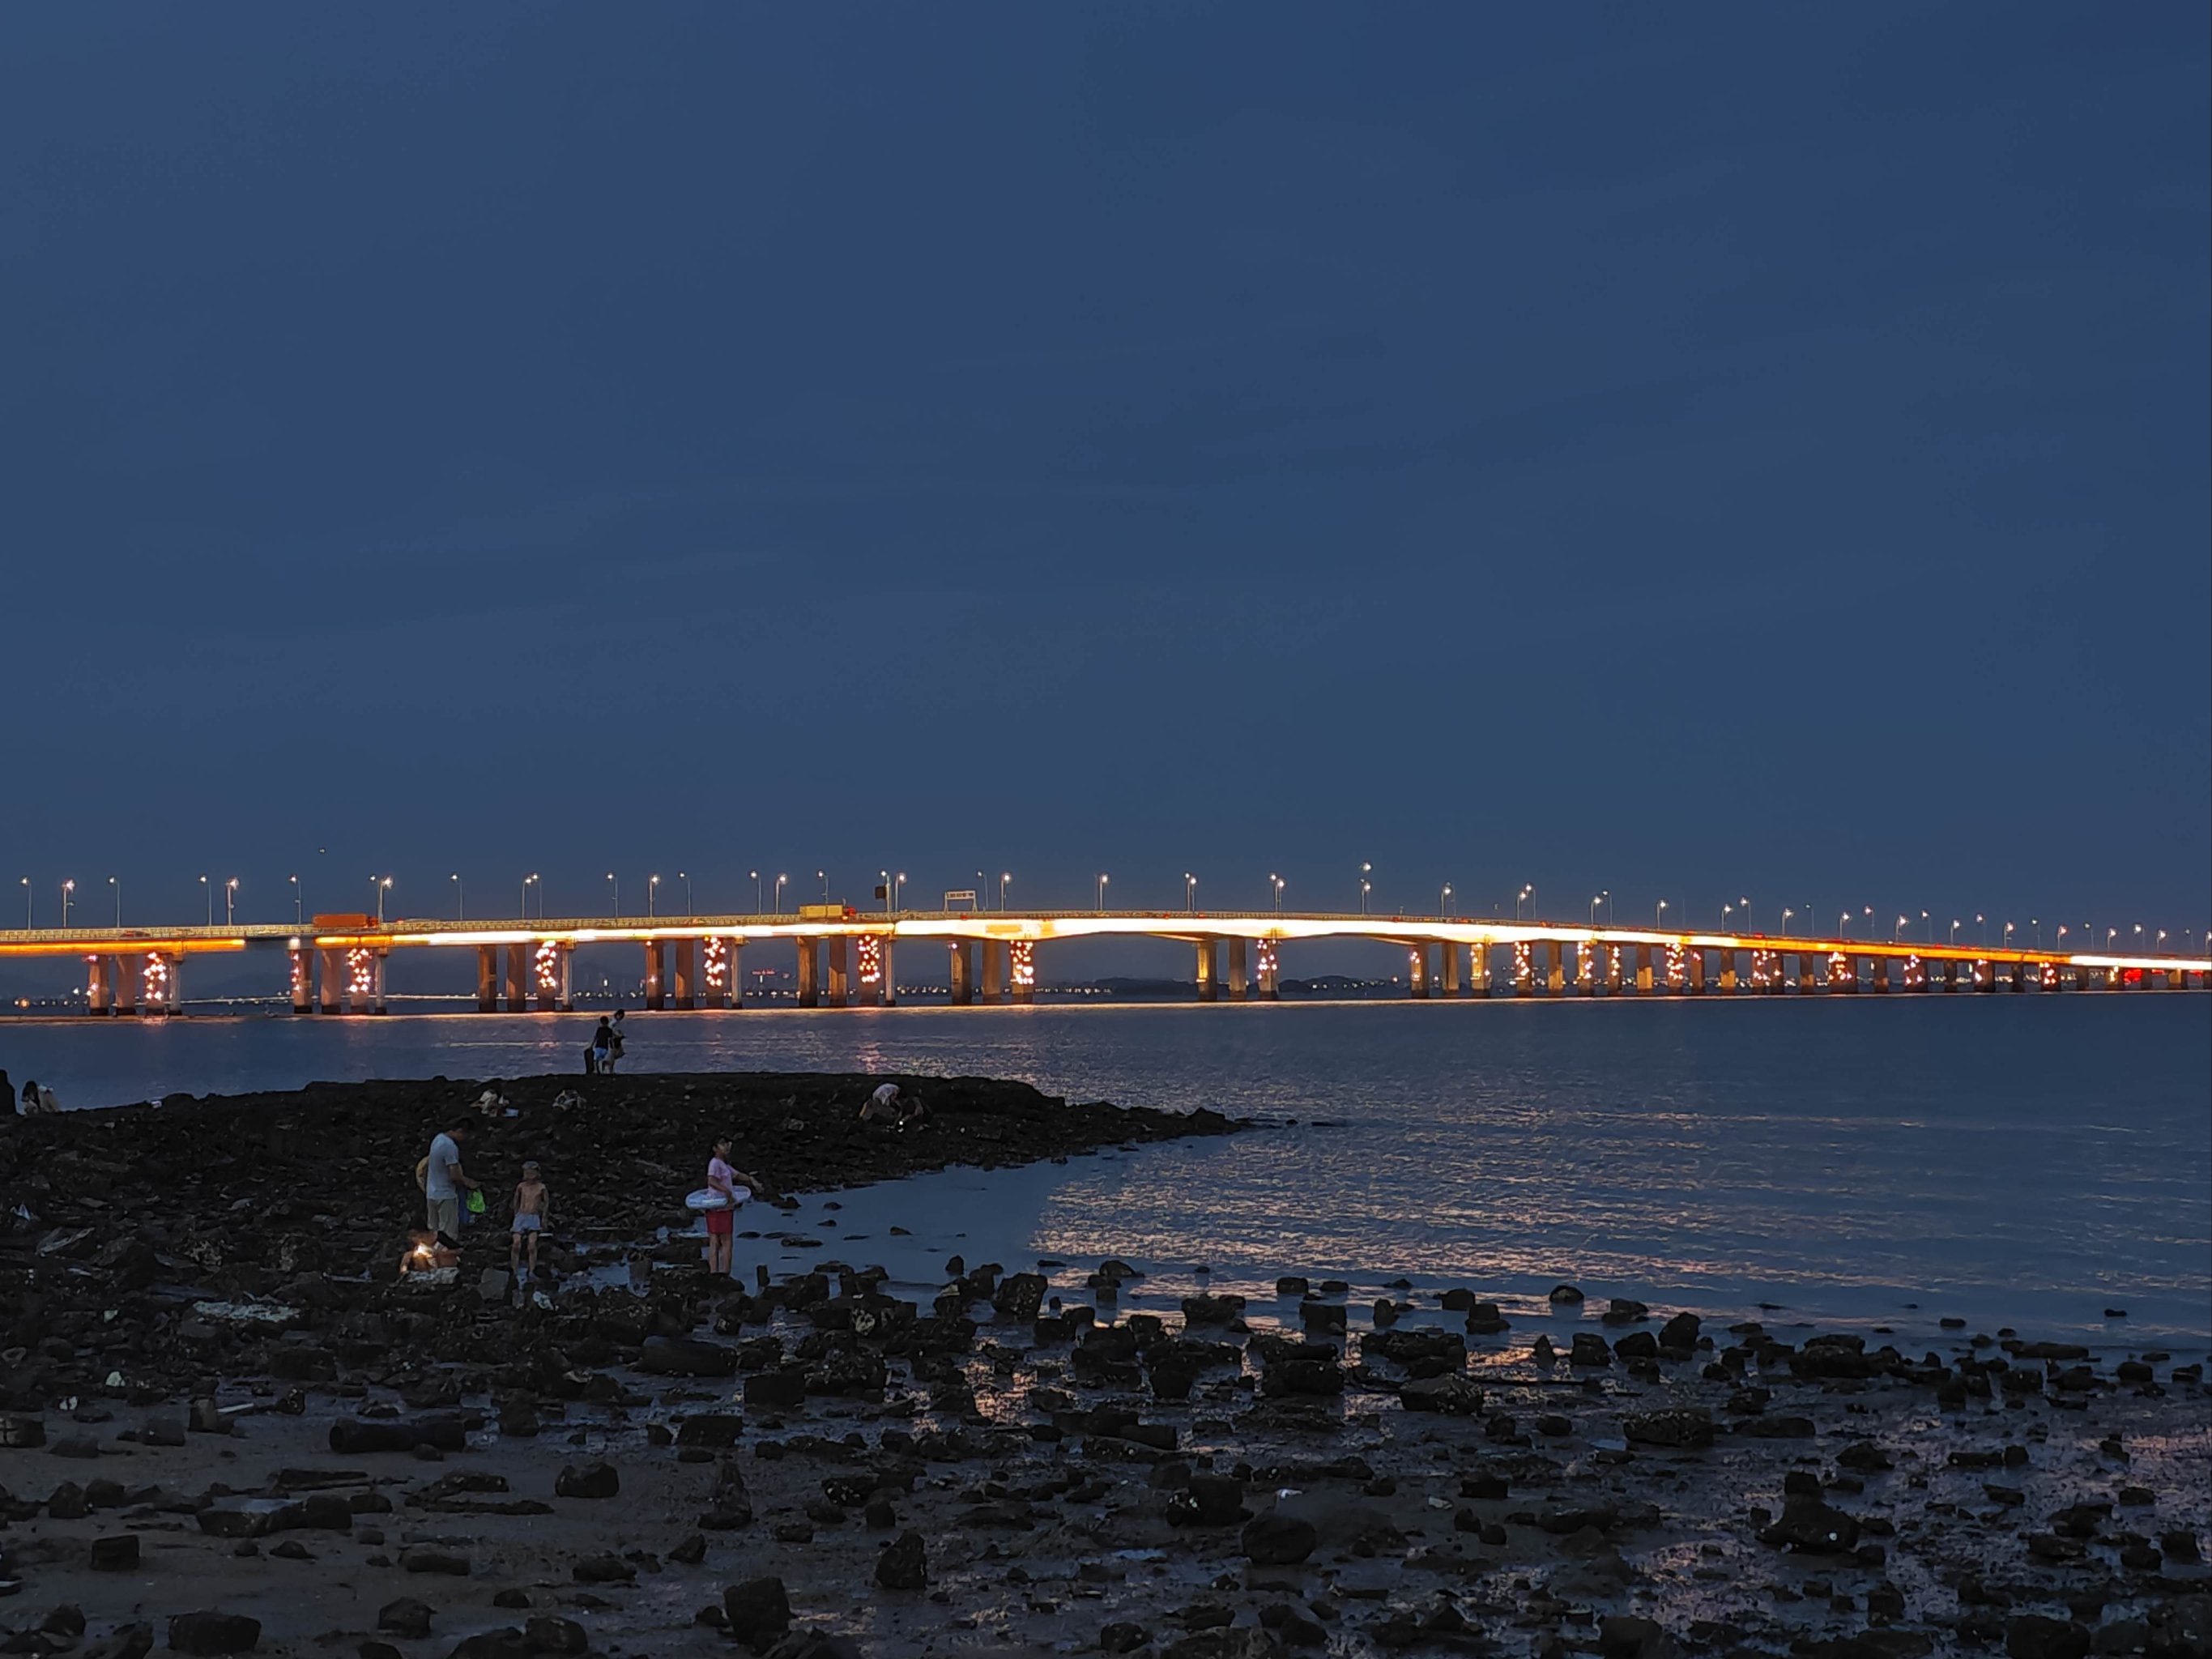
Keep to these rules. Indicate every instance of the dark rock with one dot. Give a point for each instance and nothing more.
(2033, 1636)
(547, 1634)
(758, 1611)
(116, 1553)
(603, 1570)
(351, 1437)
(1589, 1350)
(1277, 1540)
(1688, 1427)
(1814, 1527)
(214, 1632)
(591, 1481)
(904, 1564)
(1123, 1637)
(406, 1618)
(689, 1355)
(717, 1429)
(1452, 1394)
(777, 1390)
(441, 1562)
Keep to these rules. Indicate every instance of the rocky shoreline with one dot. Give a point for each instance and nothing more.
(226, 1426)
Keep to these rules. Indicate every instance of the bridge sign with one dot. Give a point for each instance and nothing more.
(961, 899)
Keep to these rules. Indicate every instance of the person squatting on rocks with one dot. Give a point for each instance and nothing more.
(534, 1203)
(888, 1105)
(37, 1101)
(735, 1187)
(443, 1181)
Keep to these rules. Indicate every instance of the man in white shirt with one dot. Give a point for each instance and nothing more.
(443, 1179)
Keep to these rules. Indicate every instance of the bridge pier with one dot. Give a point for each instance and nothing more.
(1616, 974)
(1555, 971)
(841, 972)
(1240, 983)
(377, 1004)
(1448, 965)
(962, 972)
(1728, 973)
(1524, 969)
(1478, 970)
(994, 971)
(656, 973)
(487, 979)
(1021, 970)
(553, 975)
(2019, 977)
(810, 972)
(329, 981)
(1881, 976)
(1209, 969)
(886, 971)
(1417, 971)
(95, 985)
(1270, 984)
(302, 962)
(734, 992)
(687, 973)
(514, 984)
(1644, 970)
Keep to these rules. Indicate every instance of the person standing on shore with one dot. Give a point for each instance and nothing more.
(533, 1203)
(723, 1181)
(602, 1049)
(6, 1097)
(614, 1042)
(443, 1182)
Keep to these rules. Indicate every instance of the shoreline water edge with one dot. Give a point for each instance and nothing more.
(232, 1421)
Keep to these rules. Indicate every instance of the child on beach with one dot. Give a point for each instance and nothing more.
(533, 1203)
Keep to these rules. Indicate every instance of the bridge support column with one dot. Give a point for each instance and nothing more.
(329, 981)
(1478, 970)
(1808, 973)
(885, 969)
(1728, 973)
(1021, 970)
(95, 985)
(1417, 971)
(514, 984)
(552, 966)
(736, 993)
(164, 982)
(1951, 975)
(841, 971)
(656, 973)
(1270, 984)
(1644, 970)
(1524, 968)
(684, 972)
(1209, 969)
(962, 967)
(125, 999)
(301, 963)
(810, 972)
(379, 1004)
(487, 979)
(2019, 977)
(1615, 971)
(1694, 980)
(1882, 975)
(1555, 970)
(1447, 966)
(1985, 978)
(1240, 983)
(994, 971)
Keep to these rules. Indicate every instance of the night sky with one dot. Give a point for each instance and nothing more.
(1696, 452)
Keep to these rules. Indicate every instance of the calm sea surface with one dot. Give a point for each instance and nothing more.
(2030, 1161)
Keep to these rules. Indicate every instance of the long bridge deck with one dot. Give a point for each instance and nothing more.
(336, 963)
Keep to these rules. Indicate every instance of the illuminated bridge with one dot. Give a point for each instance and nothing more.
(336, 965)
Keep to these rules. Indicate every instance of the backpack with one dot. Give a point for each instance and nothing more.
(422, 1173)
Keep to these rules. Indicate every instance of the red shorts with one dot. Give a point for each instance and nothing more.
(721, 1223)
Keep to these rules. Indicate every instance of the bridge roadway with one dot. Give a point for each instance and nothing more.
(845, 956)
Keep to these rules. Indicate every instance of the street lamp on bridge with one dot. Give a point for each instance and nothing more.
(779, 881)
(1102, 879)
(1656, 910)
(1444, 902)
(614, 895)
(1004, 876)
(1927, 928)
(1190, 892)
(1954, 931)
(299, 904)
(1897, 933)
(208, 893)
(690, 908)
(1275, 888)
(383, 885)
(1983, 922)
(1365, 886)
(68, 887)
(651, 891)
(27, 903)
(759, 905)
(1786, 914)
(116, 887)
(529, 882)
(230, 902)
(1527, 891)
(460, 897)
(823, 876)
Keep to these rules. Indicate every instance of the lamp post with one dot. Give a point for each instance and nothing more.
(1843, 925)
(884, 881)
(383, 885)
(116, 887)
(1365, 886)
(690, 908)
(1528, 892)
(1102, 879)
(823, 876)
(898, 882)
(1444, 902)
(760, 902)
(2006, 937)
(652, 892)
(460, 897)
(614, 895)
(1927, 928)
(299, 904)
(1596, 899)
(1954, 933)
(1744, 904)
(1190, 892)
(1657, 910)
(1786, 914)
(1004, 876)
(2036, 922)
(1897, 933)
(1869, 914)
(529, 882)
(1983, 922)
(69, 887)
(780, 880)
(230, 902)
(1275, 882)
(208, 893)
(27, 903)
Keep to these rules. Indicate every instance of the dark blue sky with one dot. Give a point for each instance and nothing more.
(1745, 450)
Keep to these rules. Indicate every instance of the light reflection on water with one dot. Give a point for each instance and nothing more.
(2023, 1160)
